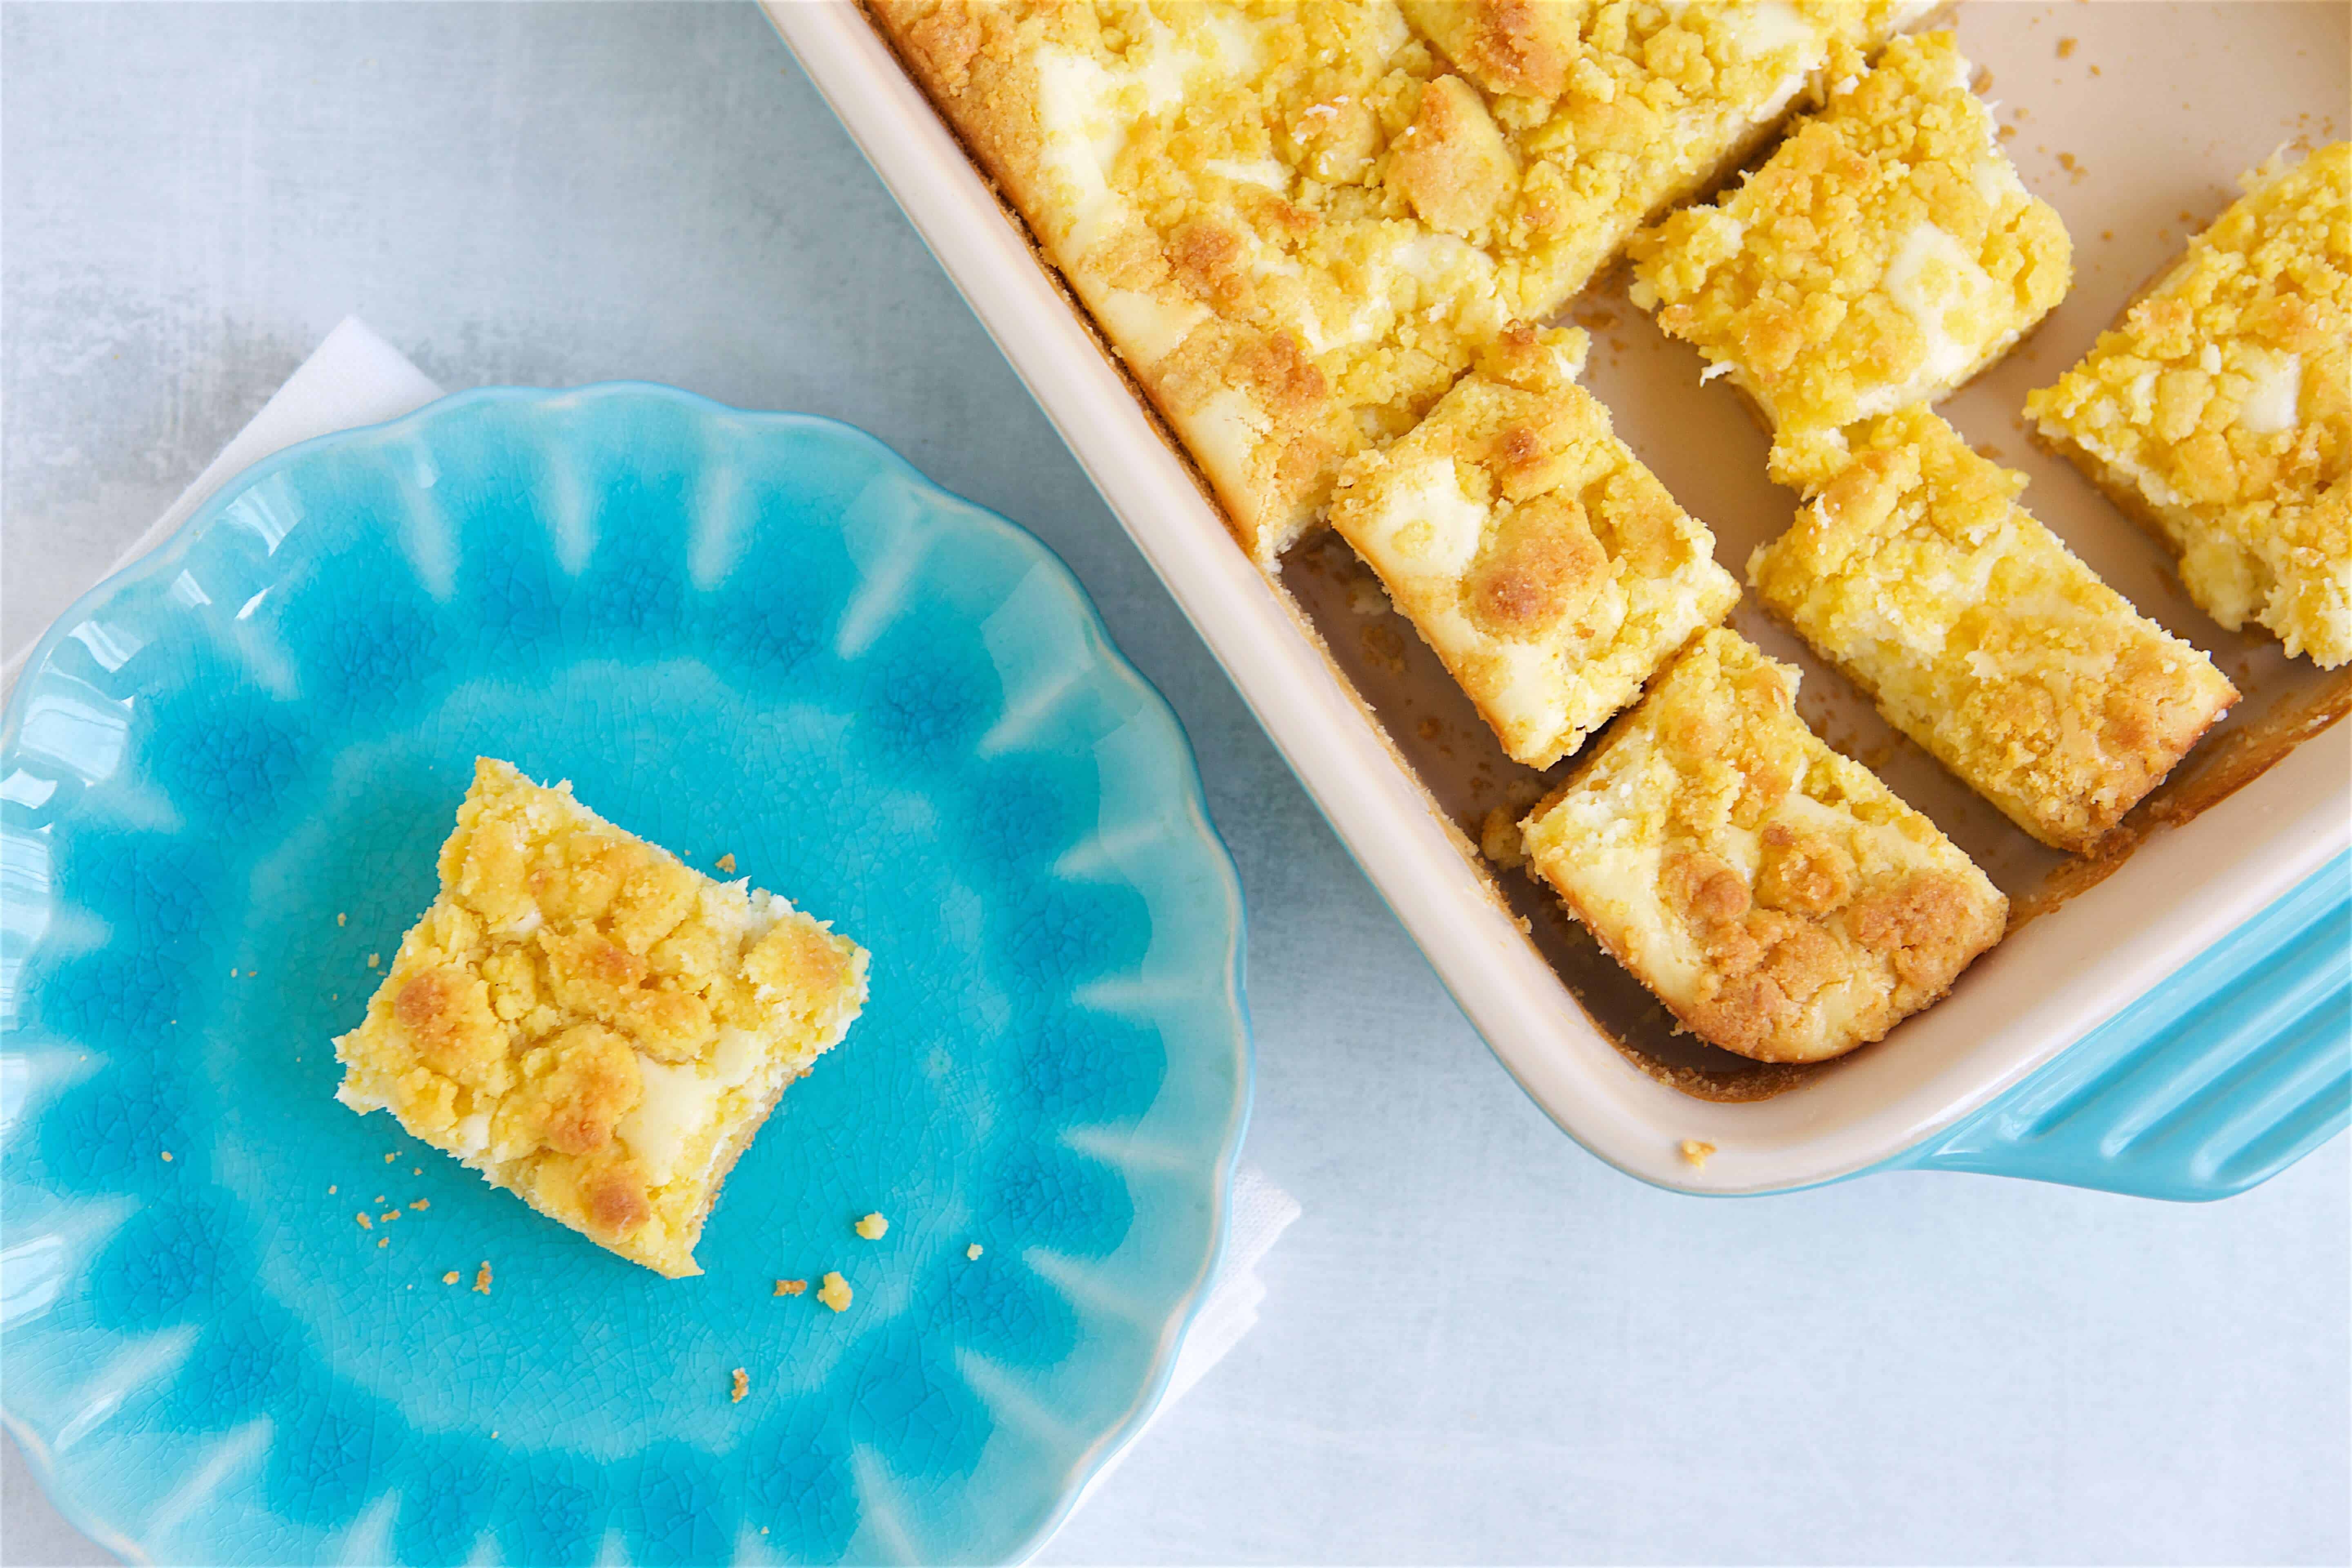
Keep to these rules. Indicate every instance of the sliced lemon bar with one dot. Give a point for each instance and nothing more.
(1916, 572)
(591, 1024)
(2219, 410)
(1297, 223)
(1779, 898)
(1884, 253)
(1551, 572)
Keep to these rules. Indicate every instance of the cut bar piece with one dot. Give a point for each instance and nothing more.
(2219, 410)
(1914, 570)
(1297, 223)
(1884, 254)
(1550, 571)
(1775, 895)
(591, 1025)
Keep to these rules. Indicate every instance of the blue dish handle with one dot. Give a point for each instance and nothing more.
(2216, 1080)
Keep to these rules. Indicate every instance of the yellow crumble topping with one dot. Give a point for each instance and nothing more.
(1981, 637)
(835, 1292)
(874, 1228)
(591, 1025)
(1884, 254)
(1775, 895)
(2219, 410)
(1550, 571)
(1298, 223)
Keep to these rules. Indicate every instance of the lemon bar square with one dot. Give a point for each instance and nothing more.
(2219, 410)
(1550, 571)
(1297, 223)
(1884, 253)
(1778, 897)
(591, 1024)
(1981, 636)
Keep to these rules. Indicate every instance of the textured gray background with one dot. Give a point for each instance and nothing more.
(1481, 1345)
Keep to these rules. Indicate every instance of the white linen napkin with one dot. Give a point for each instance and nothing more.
(354, 378)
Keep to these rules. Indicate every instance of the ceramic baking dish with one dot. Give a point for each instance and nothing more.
(2197, 987)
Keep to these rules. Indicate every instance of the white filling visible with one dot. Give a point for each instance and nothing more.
(1429, 528)
(473, 1134)
(677, 1102)
(2272, 403)
(1929, 275)
(1225, 433)
(1081, 138)
(1266, 172)
(1145, 329)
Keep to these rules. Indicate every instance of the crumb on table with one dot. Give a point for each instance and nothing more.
(791, 1287)
(742, 1385)
(365, 1222)
(482, 1278)
(836, 1292)
(973, 1250)
(450, 1278)
(874, 1228)
(727, 863)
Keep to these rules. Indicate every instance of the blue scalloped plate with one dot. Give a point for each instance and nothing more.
(222, 781)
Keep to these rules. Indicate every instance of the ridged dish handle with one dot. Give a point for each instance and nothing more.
(2217, 1079)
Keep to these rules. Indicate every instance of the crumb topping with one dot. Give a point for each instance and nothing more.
(2219, 408)
(1298, 222)
(1914, 569)
(1884, 253)
(1777, 897)
(1551, 572)
(591, 1025)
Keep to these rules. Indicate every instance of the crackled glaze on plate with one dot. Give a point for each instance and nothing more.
(736, 634)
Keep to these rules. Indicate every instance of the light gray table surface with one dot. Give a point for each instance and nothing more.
(1480, 1344)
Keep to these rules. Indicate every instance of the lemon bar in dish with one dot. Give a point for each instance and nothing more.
(591, 1024)
(1551, 572)
(1914, 571)
(1297, 223)
(1884, 253)
(1779, 898)
(2219, 410)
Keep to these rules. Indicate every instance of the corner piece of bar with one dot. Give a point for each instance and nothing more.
(1778, 897)
(1914, 570)
(2218, 411)
(1550, 570)
(1884, 254)
(591, 1024)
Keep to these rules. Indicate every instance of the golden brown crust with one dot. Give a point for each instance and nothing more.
(591, 1024)
(1548, 569)
(1883, 255)
(1297, 228)
(2218, 410)
(1914, 570)
(1775, 897)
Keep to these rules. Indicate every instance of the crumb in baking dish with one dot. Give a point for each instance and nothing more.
(1297, 223)
(1550, 570)
(1914, 571)
(1885, 253)
(1779, 898)
(2218, 411)
(835, 1292)
(591, 1025)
